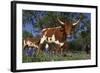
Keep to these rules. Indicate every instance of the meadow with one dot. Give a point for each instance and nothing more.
(35, 21)
(45, 57)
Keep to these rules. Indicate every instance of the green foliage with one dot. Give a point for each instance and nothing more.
(48, 19)
(27, 15)
(27, 34)
(44, 57)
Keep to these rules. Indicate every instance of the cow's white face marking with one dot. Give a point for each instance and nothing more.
(43, 39)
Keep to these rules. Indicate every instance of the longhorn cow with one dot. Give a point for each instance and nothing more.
(58, 34)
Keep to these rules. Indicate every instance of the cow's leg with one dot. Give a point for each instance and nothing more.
(57, 51)
(47, 48)
(25, 49)
(41, 48)
(41, 44)
(43, 39)
(38, 50)
(54, 51)
(26, 46)
(61, 51)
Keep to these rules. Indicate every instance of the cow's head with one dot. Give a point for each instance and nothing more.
(69, 27)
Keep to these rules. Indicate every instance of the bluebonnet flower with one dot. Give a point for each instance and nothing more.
(30, 52)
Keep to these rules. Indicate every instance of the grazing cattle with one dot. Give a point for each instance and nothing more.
(58, 35)
(30, 45)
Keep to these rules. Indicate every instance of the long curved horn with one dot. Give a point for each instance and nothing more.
(76, 22)
(60, 21)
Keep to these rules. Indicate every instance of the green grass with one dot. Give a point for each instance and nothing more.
(42, 57)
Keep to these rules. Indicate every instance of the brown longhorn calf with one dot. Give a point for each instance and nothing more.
(30, 43)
